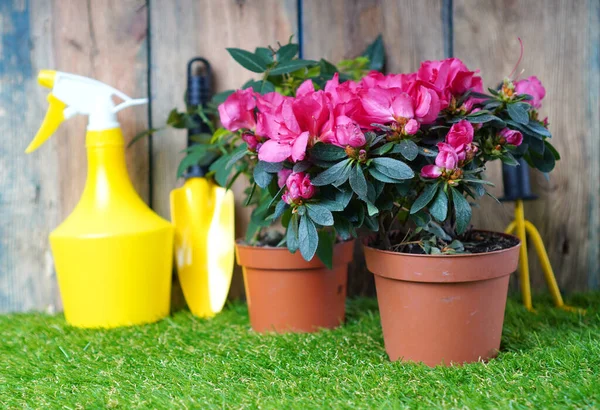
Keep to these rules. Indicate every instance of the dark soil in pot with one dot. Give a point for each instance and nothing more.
(474, 242)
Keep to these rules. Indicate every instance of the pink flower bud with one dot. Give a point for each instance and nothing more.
(251, 140)
(411, 127)
(298, 187)
(307, 190)
(447, 157)
(460, 135)
(431, 171)
(511, 136)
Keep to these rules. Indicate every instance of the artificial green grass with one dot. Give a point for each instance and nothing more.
(548, 360)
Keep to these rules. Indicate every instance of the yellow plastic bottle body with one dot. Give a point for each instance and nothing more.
(113, 254)
(203, 215)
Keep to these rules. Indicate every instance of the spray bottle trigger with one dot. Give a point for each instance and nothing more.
(54, 117)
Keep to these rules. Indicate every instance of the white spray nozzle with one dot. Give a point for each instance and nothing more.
(73, 94)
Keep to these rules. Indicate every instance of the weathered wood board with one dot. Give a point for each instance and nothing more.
(184, 29)
(562, 48)
(102, 39)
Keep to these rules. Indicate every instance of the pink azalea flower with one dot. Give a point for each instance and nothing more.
(460, 135)
(512, 137)
(447, 159)
(532, 86)
(449, 77)
(237, 112)
(298, 186)
(387, 105)
(296, 123)
(348, 133)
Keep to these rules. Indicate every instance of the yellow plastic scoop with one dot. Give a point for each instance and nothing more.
(203, 215)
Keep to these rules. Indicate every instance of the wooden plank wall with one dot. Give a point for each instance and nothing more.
(120, 42)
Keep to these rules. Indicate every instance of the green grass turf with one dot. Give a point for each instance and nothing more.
(549, 360)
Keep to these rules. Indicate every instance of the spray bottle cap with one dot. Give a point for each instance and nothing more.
(73, 94)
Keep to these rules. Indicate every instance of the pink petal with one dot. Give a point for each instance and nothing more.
(305, 88)
(402, 106)
(431, 171)
(273, 151)
(299, 147)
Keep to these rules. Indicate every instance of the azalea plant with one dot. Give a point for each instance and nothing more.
(402, 154)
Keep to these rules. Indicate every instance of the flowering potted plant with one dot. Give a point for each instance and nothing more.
(281, 133)
(399, 154)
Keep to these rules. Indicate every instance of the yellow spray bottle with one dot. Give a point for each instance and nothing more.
(113, 255)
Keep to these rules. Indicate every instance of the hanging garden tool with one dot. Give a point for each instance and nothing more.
(113, 255)
(517, 187)
(203, 215)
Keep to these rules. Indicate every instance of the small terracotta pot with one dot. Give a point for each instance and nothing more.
(442, 309)
(285, 293)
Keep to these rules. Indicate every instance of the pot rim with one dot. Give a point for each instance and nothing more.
(279, 248)
(456, 255)
(277, 258)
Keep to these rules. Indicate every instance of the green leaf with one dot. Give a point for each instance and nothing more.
(358, 183)
(385, 148)
(261, 87)
(327, 152)
(553, 150)
(285, 67)
(539, 129)
(439, 207)
(393, 168)
(287, 52)
(508, 159)
(519, 112)
(343, 175)
(265, 54)
(292, 234)
(280, 208)
(221, 170)
(544, 162)
(248, 60)
(435, 229)
(481, 119)
(421, 218)
(237, 154)
(325, 248)
(327, 68)
(308, 238)
(250, 194)
(462, 211)
(375, 52)
(261, 176)
(407, 148)
(320, 214)
(424, 199)
(251, 231)
(380, 177)
(221, 97)
(330, 175)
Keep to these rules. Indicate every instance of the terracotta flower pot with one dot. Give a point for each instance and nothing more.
(287, 294)
(442, 309)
